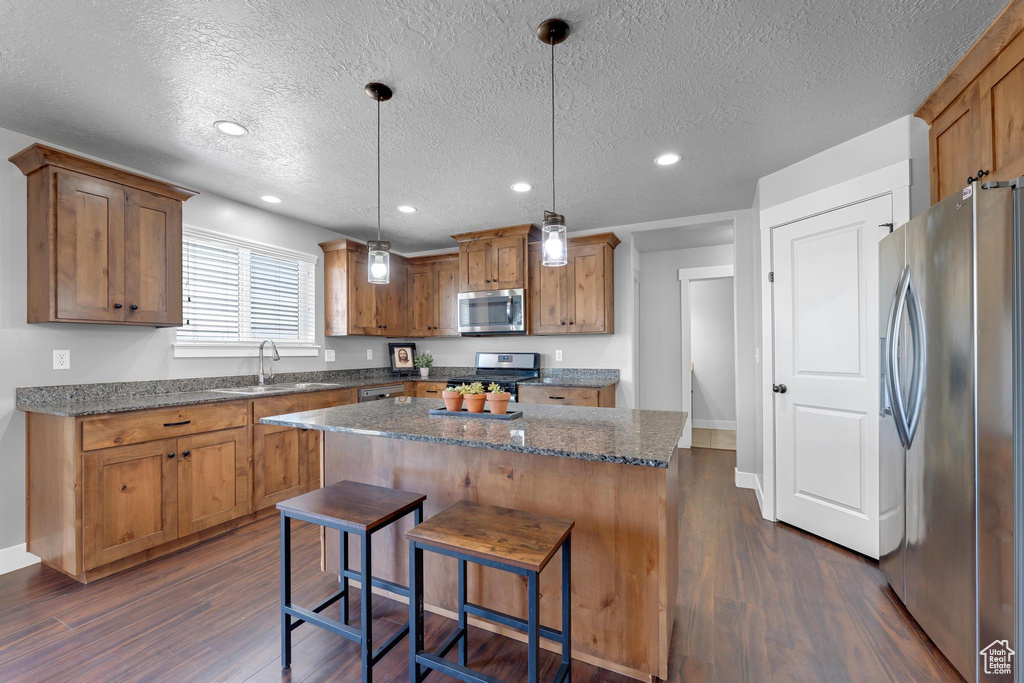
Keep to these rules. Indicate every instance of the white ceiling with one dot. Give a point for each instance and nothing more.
(685, 237)
(740, 89)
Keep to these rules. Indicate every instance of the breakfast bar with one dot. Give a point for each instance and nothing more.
(614, 471)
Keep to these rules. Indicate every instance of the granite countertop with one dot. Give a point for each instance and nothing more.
(645, 438)
(582, 382)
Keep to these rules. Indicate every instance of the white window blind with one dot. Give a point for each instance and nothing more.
(236, 293)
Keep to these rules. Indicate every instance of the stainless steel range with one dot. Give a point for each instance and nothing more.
(504, 368)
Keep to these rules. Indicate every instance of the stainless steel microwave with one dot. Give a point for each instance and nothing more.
(498, 312)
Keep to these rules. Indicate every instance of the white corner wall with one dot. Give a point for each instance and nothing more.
(712, 344)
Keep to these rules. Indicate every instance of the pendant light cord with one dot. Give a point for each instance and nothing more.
(553, 127)
(378, 170)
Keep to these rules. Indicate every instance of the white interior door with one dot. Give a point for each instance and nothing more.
(826, 372)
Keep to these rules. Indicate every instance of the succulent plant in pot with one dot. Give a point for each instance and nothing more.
(453, 397)
(497, 399)
(475, 396)
(424, 362)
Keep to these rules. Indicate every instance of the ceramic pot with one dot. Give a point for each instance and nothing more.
(452, 400)
(475, 402)
(424, 372)
(498, 403)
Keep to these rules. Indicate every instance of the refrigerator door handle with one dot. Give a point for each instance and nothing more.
(919, 346)
(893, 370)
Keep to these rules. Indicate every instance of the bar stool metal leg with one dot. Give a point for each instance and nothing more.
(344, 578)
(464, 640)
(567, 607)
(416, 626)
(533, 629)
(286, 591)
(365, 609)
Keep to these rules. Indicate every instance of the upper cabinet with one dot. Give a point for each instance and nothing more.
(433, 296)
(494, 259)
(578, 298)
(352, 305)
(977, 113)
(104, 245)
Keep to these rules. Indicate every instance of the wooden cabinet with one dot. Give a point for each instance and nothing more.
(213, 479)
(279, 454)
(977, 113)
(578, 298)
(104, 245)
(567, 396)
(434, 296)
(494, 259)
(353, 306)
(429, 389)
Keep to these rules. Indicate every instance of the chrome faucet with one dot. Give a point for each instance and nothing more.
(277, 356)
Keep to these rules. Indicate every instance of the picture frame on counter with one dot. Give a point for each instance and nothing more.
(402, 355)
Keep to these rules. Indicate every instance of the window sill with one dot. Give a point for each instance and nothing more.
(241, 351)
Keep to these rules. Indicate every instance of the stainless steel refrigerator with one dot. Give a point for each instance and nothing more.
(951, 422)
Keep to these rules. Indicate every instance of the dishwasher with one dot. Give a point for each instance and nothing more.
(380, 393)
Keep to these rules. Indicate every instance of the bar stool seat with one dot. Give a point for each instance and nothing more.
(348, 507)
(512, 540)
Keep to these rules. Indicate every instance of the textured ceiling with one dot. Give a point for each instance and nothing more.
(687, 237)
(740, 89)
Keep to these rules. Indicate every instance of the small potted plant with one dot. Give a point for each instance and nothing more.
(497, 399)
(424, 362)
(453, 398)
(475, 396)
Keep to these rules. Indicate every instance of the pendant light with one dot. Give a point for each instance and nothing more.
(552, 32)
(378, 271)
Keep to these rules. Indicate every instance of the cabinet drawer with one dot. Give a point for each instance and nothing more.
(334, 397)
(278, 405)
(429, 389)
(121, 429)
(568, 396)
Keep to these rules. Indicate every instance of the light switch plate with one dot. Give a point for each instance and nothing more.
(558, 355)
(369, 354)
(61, 359)
(329, 355)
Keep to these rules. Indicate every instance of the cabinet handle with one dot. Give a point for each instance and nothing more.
(557, 398)
(134, 307)
(170, 455)
(185, 454)
(176, 424)
(572, 322)
(117, 305)
(124, 487)
(431, 391)
(563, 322)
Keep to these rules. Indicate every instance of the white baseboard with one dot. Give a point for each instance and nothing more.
(715, 424)
(759, 494)
(745, 480)
(15, 557)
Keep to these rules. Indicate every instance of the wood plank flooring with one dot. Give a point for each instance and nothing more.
(757, 602)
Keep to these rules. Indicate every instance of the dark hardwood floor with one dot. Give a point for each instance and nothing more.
(757, 601)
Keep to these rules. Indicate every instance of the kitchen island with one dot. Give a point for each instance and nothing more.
(613, 471)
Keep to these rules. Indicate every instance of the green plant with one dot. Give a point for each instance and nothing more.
(423, 361)
(474, 388)
(460, 390)
(495, 388)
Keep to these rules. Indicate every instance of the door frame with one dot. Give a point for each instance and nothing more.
(686, 276)
(892, 180)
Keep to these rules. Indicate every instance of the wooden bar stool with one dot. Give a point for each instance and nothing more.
(351, 508)
(512, 540)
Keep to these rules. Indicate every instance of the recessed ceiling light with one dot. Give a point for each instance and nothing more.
(522, 187)
(405, 208)
(231, 128)
(271, 199)
(667, 159)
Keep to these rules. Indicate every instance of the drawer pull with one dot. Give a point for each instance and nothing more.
(431, 391)
(557, 398)
(177, 424)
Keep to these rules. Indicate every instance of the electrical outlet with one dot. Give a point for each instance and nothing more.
(61, 360)
(558, 355)
(329, 355)
(369, 354)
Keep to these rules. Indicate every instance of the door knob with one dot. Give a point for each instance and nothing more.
(779, 388)
(117, 305)
(170, 455)
(185, 454)
(134, 307)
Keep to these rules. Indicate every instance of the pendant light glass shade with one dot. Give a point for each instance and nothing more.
(554, 240)
(378, 262)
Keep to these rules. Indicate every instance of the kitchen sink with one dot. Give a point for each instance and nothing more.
(275, 388)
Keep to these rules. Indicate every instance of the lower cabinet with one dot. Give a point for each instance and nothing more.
(603, 397)
(213, 479)
(429, 389)
(280, 462)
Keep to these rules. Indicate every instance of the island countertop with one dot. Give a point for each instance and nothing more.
(645, 438)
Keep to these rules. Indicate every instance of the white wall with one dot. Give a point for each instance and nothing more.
(110, 353)
(660, 339)
(713, 338)
(748, 336)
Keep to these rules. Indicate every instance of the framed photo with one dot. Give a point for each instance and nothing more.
(402, 356)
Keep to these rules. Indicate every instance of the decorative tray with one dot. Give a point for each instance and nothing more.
(442, 412)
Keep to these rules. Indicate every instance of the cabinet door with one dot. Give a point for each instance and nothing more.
(446, 298)
(589, 283)
(1002, 113)
(213, 479)
(956, 148)
(90, 249)
(280, 464)
(130, 500)
(392, 313)
(362, 298)
(475, 266)
(547, 297)
(429, 389)
(559, 396)
(422, 302)
(507, 262)
(152, 259)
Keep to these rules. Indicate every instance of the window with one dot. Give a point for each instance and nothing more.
(236, 293)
